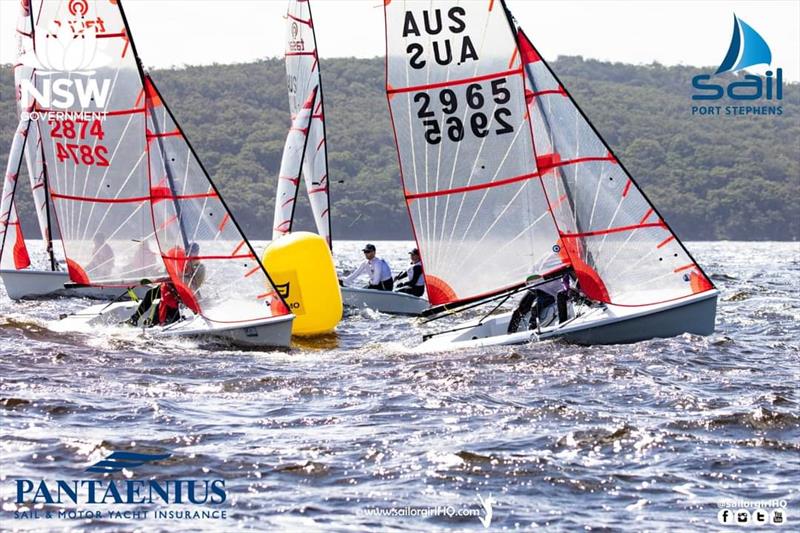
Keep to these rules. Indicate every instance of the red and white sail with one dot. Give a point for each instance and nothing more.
(303, 80)
(131, 198)
(458, 105)
(291, 162)
(34, 157)
(622, 251)
(13, 253)
(93, 141)
(212, 265)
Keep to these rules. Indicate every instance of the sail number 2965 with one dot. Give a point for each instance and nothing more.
(478, 121)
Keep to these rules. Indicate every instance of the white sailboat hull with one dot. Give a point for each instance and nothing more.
(274, 332)
(393, 303)
(30, 284)
(612, 324)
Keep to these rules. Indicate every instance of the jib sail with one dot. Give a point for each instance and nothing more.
(622, 250)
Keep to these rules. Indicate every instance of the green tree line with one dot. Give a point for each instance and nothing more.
(712, 177)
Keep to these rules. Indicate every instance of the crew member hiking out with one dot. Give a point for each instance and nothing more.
(539, 300)
(160, 306)
(416, 281)
(380, 275)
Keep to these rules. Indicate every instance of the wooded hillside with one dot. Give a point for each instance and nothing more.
(719, 177)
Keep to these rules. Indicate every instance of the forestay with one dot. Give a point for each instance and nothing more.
(303, 79)
(622, 250)
(94, 144)
(456, 91)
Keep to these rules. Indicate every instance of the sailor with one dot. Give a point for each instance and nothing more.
(102, 261)
(160, 305)
(539, 298)
(416, 281)
(194, 272)
(380, 275)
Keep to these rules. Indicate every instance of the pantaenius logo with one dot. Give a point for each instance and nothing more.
(125, 490)
(747, 49)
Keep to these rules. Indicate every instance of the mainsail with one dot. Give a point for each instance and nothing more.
(303, 80)
(458, 106)
(503, 174)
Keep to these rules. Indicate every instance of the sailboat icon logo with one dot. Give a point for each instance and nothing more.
(747, 48)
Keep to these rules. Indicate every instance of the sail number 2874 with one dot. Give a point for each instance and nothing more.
(67, 136)
(479, 122)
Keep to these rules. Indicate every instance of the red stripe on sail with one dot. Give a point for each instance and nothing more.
(106, 113)
(627, 188)
(252, 271)
(513, 58)
(612, 230)
(179, 257)
(295, 181)
(468, 188)
(320, 144)
(665, 241)
(319, 189)
(224, 222)
(300, 53)
(646, 215)
(238, 247)
(58, 196)
(302, 21)
(545, 162)
(414, 88)
(151, 135)
(684, 267)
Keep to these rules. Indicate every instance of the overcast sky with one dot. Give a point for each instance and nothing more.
(689, 32)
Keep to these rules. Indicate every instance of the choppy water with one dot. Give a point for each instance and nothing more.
(648, 436)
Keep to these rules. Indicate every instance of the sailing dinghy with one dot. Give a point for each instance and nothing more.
(305, 153)
(506, 180)
(132, 200)
(22, 276)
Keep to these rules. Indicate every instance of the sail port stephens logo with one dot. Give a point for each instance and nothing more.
(66, 56)
(80, 499)
(747, 49)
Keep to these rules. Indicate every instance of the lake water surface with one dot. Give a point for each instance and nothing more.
(354, 433)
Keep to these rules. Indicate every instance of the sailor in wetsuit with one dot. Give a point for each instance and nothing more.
(539, 298)
(380, 275)
(416, 281)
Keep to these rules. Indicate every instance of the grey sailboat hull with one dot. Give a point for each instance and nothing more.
(607, 324)
(35, 284)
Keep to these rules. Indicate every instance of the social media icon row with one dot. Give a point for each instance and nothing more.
(743, 517)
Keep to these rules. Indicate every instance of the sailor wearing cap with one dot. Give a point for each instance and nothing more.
(380, 275)
(416, 281)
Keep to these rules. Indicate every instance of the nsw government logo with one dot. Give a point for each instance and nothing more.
(748, 94)
(123, 486)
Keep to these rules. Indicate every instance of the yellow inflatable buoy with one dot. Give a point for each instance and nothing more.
(301, 266)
